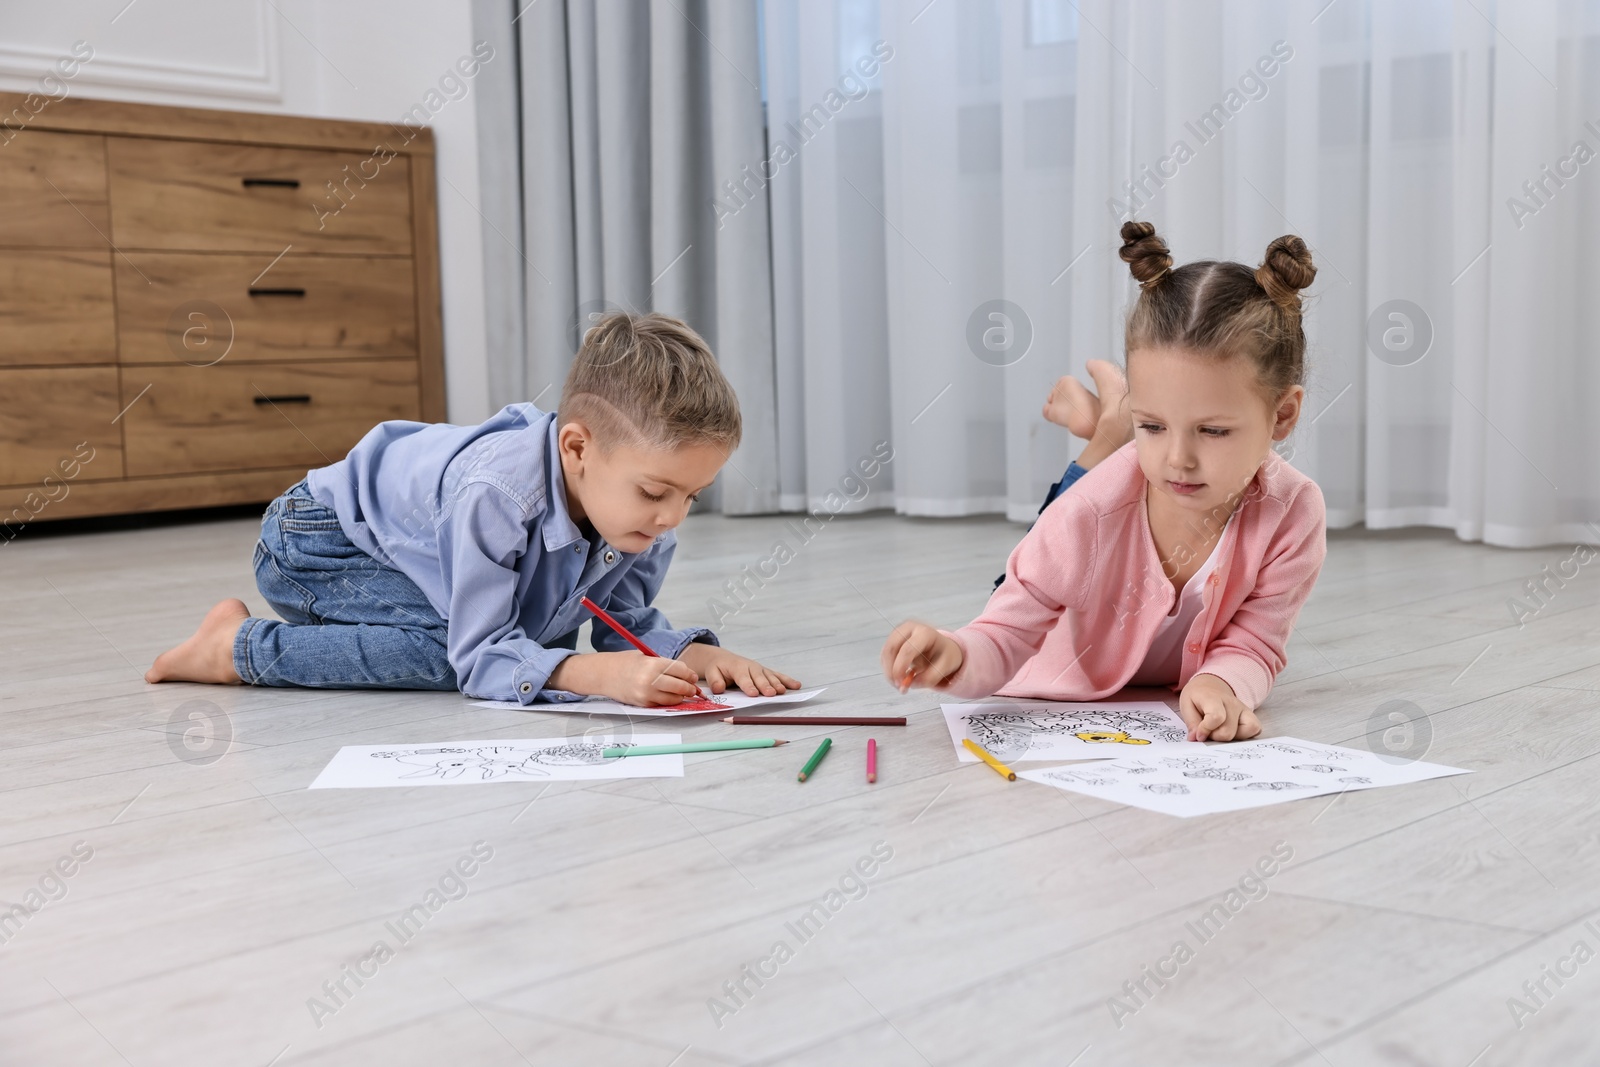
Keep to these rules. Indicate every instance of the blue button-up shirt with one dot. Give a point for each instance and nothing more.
(477, 517)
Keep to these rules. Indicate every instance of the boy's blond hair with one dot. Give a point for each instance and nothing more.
(649, 381)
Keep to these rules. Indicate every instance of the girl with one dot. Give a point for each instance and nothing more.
(1184, 557)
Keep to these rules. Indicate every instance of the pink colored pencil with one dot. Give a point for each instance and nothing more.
(872, 760)
(604, 616)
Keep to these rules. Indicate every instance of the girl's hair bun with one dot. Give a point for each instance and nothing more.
(1285, 270)
(1146, 255)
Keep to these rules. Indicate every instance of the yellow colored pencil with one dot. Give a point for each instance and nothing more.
(999, 768)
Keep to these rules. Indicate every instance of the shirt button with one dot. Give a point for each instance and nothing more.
(1194, 648)
(526, 687)
(1216, 579)
(611, 557)
(577, 548)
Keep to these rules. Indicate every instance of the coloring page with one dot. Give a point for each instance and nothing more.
(1056, 731)
(1235, 775)
(549, 759)
(733, 700)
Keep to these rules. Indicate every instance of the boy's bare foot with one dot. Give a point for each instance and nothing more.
(207, 656)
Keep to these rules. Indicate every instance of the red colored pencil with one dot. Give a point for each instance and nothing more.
(872, 760)
(816, 720)
(622, 632)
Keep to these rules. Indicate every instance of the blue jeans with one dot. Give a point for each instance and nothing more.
(352, 623)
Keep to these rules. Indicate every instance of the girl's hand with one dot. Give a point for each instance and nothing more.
(917, 654)
(1213, 713)
(722, 669)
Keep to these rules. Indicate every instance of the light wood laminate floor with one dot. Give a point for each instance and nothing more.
(221, 895)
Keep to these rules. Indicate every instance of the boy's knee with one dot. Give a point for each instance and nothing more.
(292, 601)
(436, 658)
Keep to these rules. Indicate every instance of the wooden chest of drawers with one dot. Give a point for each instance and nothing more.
(198, 306)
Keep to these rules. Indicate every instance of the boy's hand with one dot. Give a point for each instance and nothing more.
(627, 677)
(649, 681)
(1213, 713)
(919, 650)
(721, 669)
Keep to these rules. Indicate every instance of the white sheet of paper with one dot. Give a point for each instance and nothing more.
(730, 701)
(546, 759)
(1015, 733)
(1235, 775)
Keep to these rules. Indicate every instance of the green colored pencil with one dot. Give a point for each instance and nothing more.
(816, 758)
(690, 746)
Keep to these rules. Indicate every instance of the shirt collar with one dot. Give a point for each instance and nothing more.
(559, 529)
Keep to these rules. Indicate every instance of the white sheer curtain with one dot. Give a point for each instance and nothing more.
(988, 159)
(921, 234)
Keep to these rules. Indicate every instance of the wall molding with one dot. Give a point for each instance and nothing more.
(264, 83)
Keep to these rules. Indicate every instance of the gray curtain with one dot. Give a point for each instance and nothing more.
(605, 141)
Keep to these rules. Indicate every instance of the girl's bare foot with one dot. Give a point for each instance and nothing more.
(207, 656)
(1072, 406)
(1101, 420)
(1114, 424)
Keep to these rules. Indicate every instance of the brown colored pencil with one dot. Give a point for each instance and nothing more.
(818, 720)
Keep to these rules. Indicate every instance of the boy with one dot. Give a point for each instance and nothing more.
(444, 557)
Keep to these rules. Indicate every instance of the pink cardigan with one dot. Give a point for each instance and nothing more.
(1085, 591)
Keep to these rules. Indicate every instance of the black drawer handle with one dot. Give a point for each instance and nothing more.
(283, 183)
(292, 398)
(289, 291)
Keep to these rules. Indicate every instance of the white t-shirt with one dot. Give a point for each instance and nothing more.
(1164, 662)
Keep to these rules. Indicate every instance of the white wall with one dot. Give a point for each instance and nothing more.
(346, 59)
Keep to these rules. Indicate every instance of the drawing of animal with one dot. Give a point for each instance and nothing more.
(572, 755)
(1082, 777)
(482, 766)
(1356, 779)
(1015, 731)
(1316, 768)
(1189, 763)
(487, 762)
(1165, 788)
(1273, 786)
(1219, 774)
(1117, 737)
